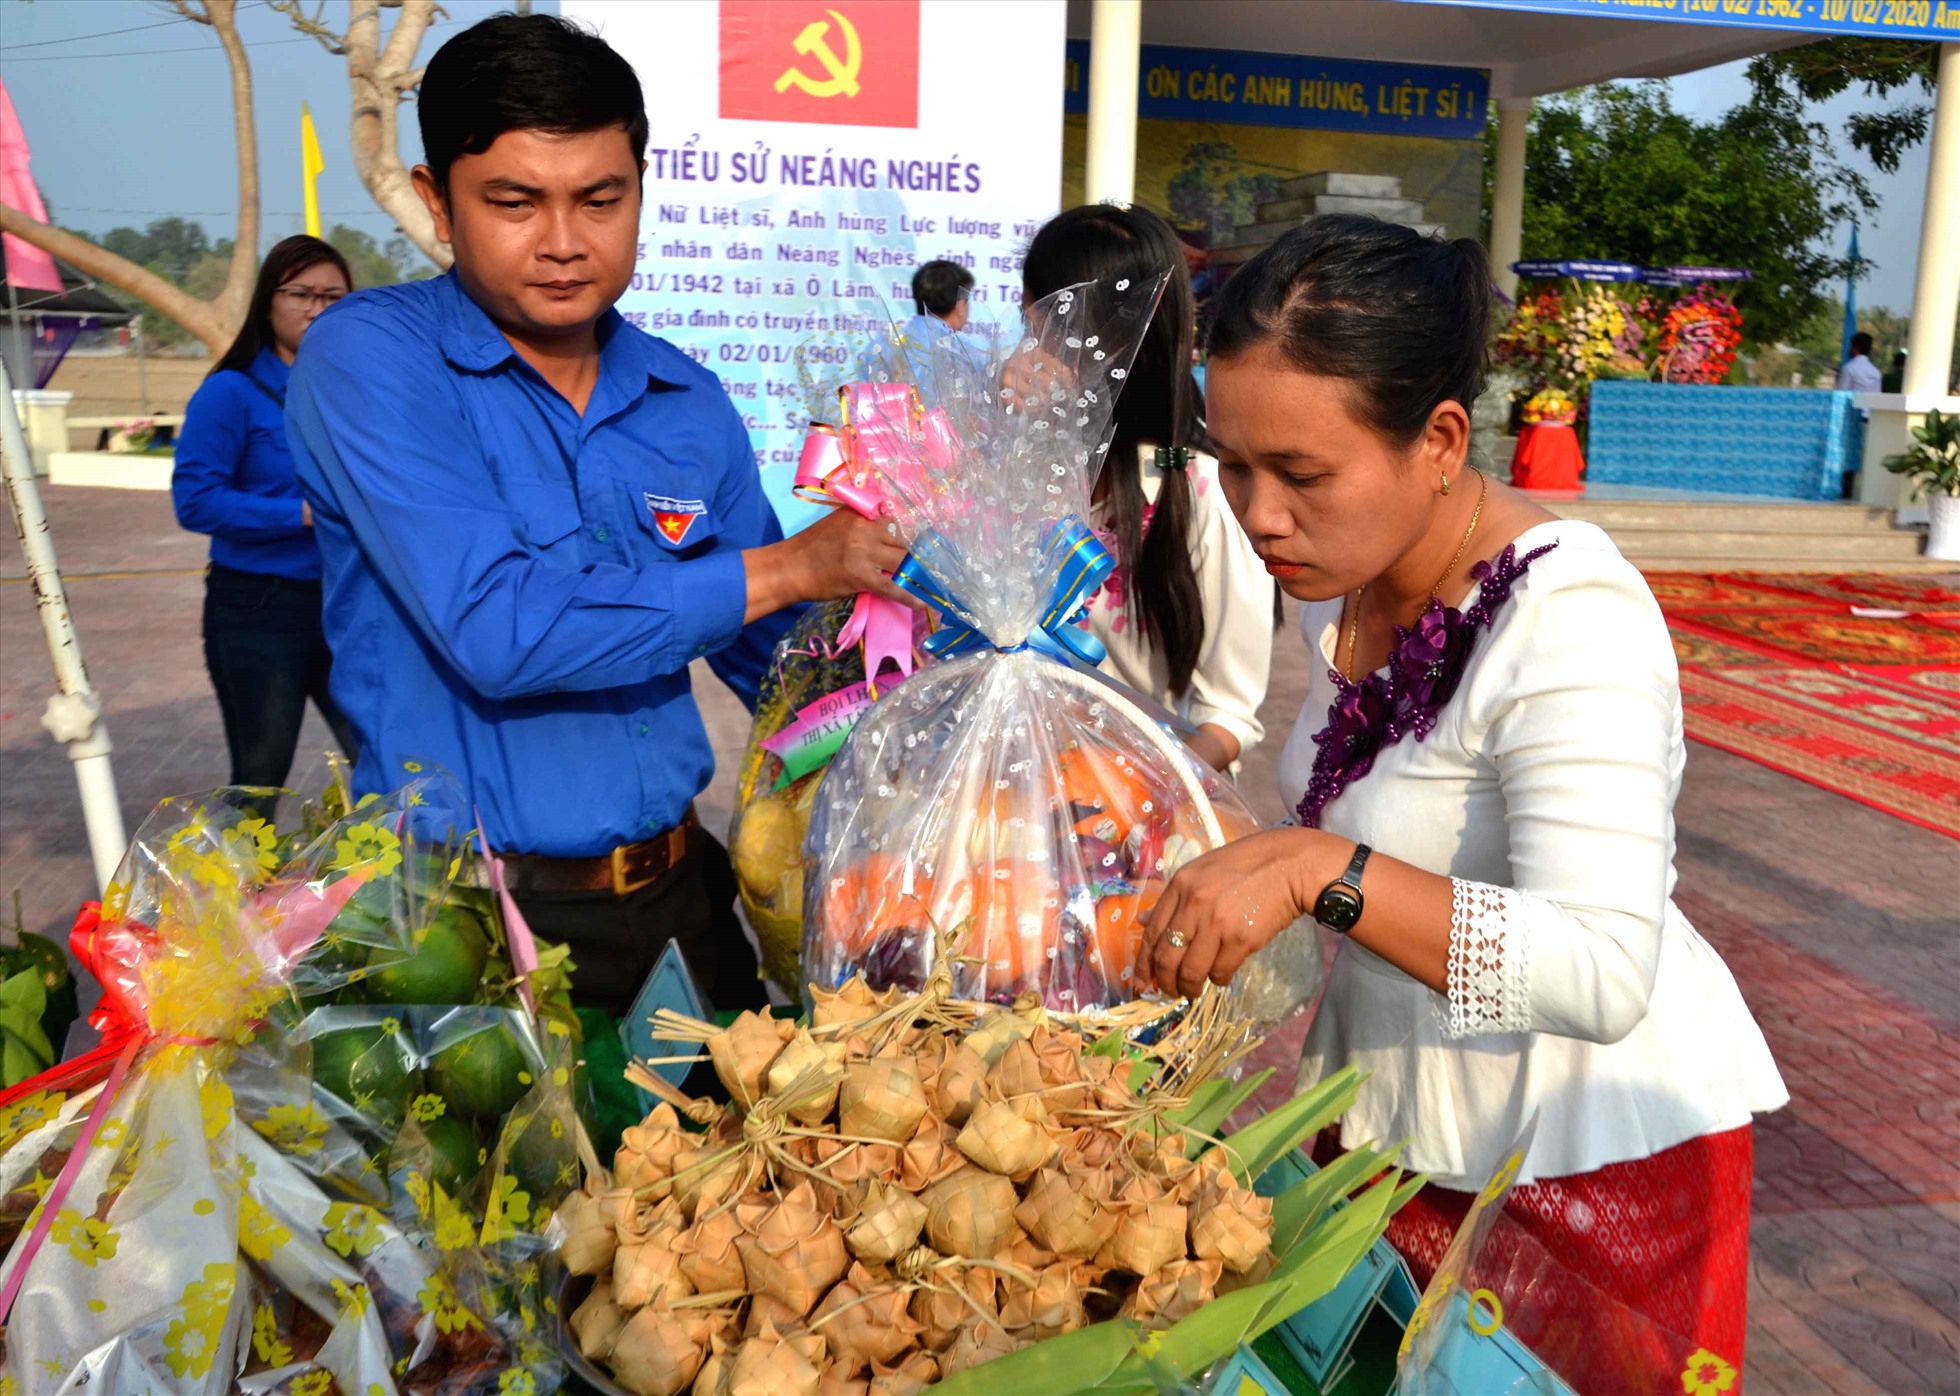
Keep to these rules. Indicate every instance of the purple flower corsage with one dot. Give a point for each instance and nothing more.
(1423, 672)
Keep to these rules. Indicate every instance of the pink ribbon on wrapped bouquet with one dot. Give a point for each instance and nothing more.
(884, 434)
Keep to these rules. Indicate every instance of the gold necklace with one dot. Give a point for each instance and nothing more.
(1354, 624)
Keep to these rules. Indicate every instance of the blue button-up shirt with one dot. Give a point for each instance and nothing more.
(234, 476)
(513, 591)
(926, 338)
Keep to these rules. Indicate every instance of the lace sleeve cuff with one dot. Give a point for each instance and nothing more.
(1489, 961)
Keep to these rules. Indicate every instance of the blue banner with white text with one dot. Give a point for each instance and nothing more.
(1286, 89)
(1875, 19)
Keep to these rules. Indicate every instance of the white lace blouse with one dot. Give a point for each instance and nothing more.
(1576, 988)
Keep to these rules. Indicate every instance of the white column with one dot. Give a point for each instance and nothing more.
(1937, 289)
(1507, 192)
(1115, 40)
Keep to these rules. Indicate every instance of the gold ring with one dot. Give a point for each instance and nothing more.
(1176, 939)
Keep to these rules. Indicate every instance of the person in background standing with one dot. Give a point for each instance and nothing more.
(1894, 380)
(940, 293)
(1187, 617)
(234, 480)
(1860, 374)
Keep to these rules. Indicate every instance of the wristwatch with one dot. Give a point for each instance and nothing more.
(1338, 907)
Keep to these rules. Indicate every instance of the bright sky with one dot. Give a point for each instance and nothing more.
(110, 92)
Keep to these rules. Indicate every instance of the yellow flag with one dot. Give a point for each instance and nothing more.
(310, 165)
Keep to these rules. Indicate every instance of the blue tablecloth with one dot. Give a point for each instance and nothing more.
(1784, 443)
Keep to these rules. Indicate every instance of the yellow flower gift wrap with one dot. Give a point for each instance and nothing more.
(235, 1187)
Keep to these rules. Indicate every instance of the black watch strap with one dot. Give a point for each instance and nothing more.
(1339, 905)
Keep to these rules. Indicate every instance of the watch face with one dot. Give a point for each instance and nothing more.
(1338, 909)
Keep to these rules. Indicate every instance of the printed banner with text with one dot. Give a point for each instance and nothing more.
(806, 157)
(1871, 19)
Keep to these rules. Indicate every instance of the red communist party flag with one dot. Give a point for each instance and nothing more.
(854, 63)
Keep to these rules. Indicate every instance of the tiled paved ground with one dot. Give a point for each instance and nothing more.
(1839, 922)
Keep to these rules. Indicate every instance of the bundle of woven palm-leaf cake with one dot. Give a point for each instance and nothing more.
(905, 1188)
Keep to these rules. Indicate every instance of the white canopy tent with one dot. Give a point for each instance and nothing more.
(1528, 53)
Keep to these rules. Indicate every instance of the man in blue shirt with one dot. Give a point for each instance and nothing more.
(533, 517)
(941, 294)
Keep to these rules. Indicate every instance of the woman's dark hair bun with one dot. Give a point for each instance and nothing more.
(1403, 316)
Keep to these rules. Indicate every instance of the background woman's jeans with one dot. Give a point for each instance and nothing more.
(267, 655)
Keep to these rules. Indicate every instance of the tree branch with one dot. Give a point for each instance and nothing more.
(311, 25)
(379, 80)
(201, 318)
(236, 298)
(185, 11)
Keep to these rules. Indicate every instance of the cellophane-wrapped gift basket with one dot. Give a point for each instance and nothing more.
(329, 1118)
(1007, 792)
(838, 660)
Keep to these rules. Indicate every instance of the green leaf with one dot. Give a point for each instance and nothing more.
(1068, 1363)
(1213, 1103)
(1299, 1209)
(1192, 1344)
(1255, 1148)
(24, 991)
(1349, 1231)
(1108, 1045)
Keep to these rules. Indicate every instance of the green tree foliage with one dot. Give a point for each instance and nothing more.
(1818, 343)
(1615, 172)
(378, 264)
(181, 251)
(1880, 67)
(178, 250)
(169, 246)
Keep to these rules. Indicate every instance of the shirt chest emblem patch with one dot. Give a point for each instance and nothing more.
(674, 518)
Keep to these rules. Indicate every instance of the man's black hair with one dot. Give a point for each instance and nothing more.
(1861, 343)
(524, 73)
(936, 287)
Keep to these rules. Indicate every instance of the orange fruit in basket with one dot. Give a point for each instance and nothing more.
(1016, 913)
(1107, 793)
(1119, 931)
(868, 898)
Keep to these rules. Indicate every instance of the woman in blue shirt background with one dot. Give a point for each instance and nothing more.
(234, 480)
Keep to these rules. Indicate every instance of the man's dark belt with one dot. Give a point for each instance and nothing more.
(626, 869)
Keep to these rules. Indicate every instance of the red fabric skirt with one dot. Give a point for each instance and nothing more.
(1619, 1277)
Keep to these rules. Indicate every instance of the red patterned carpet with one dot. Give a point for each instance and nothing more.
(1848, 682)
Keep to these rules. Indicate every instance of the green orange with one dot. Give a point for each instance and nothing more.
(444, 965)
(481, 1075)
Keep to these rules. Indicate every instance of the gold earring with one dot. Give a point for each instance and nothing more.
(1446, 484)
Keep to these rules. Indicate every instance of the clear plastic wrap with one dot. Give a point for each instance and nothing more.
(1007, 795)
(1503, 1317)
(838, 658)
(814, 689)
(290, 1166)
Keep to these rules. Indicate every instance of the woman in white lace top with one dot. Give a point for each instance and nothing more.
(1497, 716)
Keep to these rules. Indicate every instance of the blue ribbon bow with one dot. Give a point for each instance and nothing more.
(1086, 565)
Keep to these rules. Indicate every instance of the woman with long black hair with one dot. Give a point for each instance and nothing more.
(1187, 617)
(235, 481)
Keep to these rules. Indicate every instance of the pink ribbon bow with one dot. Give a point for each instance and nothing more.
(885, 436)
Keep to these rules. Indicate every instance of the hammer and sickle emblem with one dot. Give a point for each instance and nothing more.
(812, 43)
